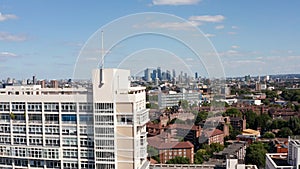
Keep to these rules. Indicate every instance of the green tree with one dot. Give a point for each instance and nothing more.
(200, 156)
(294, 124)
(233, 112)
(153, 153)
(271, 94)
(216, 147)
(269, 135)
(184, 104)
(250, 119)
(279, 123)
(178, 160)
(255, 154)
(285, 132)
(233, 133)
(263, 121)
(201, 116)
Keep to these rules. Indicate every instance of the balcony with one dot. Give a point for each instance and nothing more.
(142, 117)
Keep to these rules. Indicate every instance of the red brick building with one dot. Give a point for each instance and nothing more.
(170, 150)
(213, 136)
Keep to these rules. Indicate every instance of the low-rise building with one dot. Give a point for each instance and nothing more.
(238, 123)
(235, 150)
(169, 150)
(210, 136)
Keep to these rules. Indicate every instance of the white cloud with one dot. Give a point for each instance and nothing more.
(170, 25)
(4, 36)
(230, 53)
(234, 27)
(232, 33)
(7, 55)
(208, 18)
(175, 2)
(4, 17)
(234, 47)
(220, 27)
(208, 35)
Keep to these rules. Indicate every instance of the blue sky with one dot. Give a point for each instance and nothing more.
(43, 38)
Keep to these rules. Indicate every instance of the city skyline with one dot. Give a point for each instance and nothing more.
(251, 37)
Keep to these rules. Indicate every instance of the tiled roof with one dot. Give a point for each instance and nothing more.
(176, 145)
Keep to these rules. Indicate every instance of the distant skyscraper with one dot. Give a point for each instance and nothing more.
(147, 75)
(159, 73)
(196, 75)
(168, 74)
(174, 73)
(154, 75)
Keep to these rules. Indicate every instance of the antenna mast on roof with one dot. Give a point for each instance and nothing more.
(102, 60)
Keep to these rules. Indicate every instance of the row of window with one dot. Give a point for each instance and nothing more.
(32, 163)
(41, 163)
(48, 107)
(49, 118)
(29, 152)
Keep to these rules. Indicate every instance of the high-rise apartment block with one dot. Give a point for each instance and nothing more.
(102, 127)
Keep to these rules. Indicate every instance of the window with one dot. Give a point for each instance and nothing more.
(104, 120)
(70, 153)
(18, 117)
(69, 141)
(34, 107)
(18, 106)
(19, 140)
(36, 163)
(104, 144)
(87, 154)
(53, 130)
(35, 129)
(105, 156)
(5, 117)
(51, 107)
(5, 139)
(52, 118)
(18, 151)
(87, 165)
(86, 119)
(52, 141)
(19, 129)
(4, 106)
(86, 142)
(70, 165)
(4, 128)
(86, 130)
(52, 164)
(124, 119)
(36, 118)
(21, 162)
(68, 118)
(85, 107)
(69, 130)
(68, 107)
(104, 132)
(34, 140)
(104, 106)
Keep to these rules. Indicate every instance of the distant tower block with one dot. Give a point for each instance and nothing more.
(54, 83)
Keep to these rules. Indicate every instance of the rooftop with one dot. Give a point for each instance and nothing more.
(232, 149)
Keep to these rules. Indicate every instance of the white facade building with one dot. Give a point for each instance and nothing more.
(290, 160)
(101, 127)
(172, 98)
